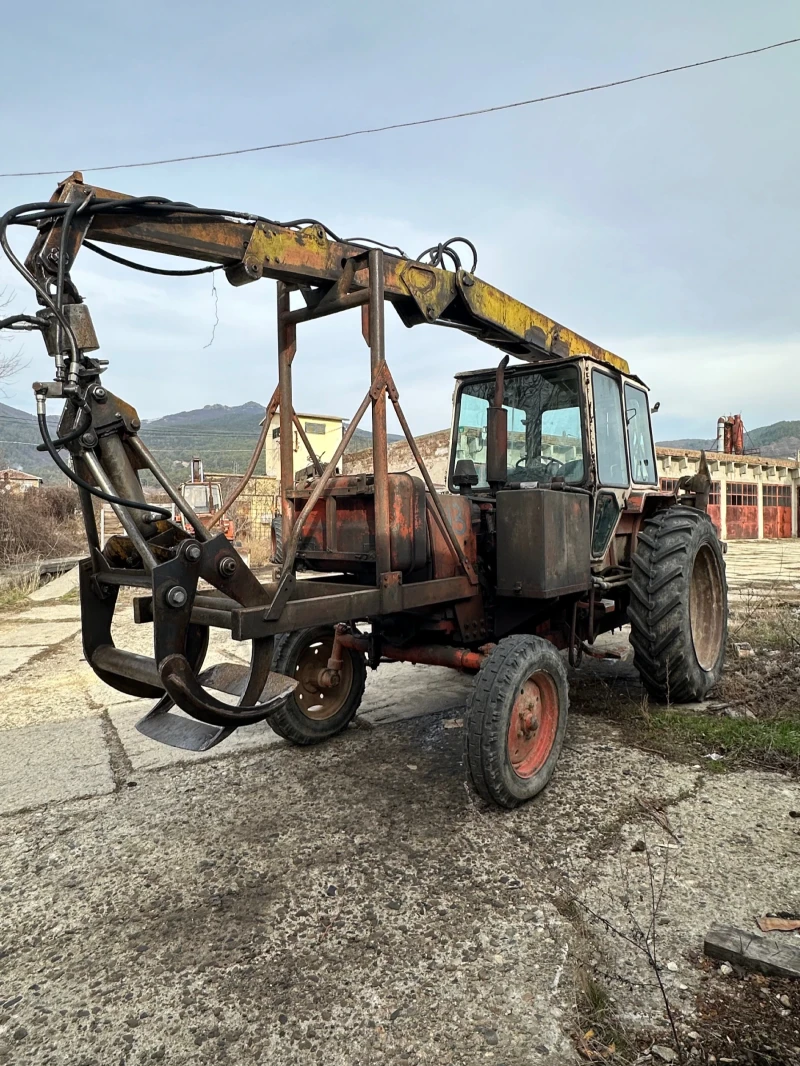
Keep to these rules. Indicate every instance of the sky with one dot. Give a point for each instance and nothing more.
(659, 219)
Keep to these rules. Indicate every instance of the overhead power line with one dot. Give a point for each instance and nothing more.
(413, 122)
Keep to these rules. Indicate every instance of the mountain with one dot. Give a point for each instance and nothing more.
(695, 443)
(224, 437)
(19, 435)
(781, 440)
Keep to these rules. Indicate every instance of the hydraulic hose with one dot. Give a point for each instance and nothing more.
(76, 479)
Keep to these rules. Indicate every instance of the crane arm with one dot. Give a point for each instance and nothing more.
(331, 274)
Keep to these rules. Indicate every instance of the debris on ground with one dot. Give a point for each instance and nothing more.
(58, 587)
(748, 1020)
(743, 649)
(784, 922)
(752, 952)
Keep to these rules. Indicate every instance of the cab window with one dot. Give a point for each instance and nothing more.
(640, 440)
(545, 428)
(612, 464)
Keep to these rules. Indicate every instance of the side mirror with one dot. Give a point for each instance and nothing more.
(465, 476)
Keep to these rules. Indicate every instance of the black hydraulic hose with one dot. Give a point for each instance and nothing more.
(144, 266)
(83, 424)
(41, 418)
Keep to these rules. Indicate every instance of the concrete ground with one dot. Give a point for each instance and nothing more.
(350, 903)
(759, 567)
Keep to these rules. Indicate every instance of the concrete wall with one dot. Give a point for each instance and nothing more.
(434, 449)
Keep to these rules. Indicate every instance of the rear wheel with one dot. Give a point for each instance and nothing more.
(679, 605)
(315, 711)
(515, 720)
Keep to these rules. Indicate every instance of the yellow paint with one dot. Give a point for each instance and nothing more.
(309, 252)
(497, 308)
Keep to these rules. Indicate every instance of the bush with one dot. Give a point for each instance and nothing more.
(40, 524)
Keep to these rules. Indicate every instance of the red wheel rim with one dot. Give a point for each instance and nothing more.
(533, 725)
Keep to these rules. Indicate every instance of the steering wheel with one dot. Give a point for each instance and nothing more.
(541, 460)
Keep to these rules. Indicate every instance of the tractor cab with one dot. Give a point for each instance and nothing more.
(205, 499)
(580, 424)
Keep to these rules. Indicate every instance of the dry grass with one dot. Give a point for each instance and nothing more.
(39, 524)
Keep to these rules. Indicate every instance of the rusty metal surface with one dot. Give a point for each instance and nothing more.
(350, 606)
(458, 510)
(355, 525)
(421, 654)
(543, 543)
(380, 457)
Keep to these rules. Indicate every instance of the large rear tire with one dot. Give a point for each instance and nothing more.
(314, 713)
(679, 606)
(515, 720)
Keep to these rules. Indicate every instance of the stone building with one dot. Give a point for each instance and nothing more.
(18, 481)
(752, 497)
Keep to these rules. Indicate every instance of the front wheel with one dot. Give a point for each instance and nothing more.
(316, 711)
(515, 721)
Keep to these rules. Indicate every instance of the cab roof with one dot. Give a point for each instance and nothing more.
(514, 369)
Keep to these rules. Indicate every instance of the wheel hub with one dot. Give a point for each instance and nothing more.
(532, 729)
(321, 692)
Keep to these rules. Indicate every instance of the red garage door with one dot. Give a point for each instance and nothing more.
(742, 512)
(777, 511)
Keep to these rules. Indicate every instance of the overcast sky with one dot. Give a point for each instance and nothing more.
(659, 219)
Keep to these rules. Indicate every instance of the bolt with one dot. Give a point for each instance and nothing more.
(135, 423)
(177, 596)
(88, 440)
(100, 394)
(227, 566)
(192, 552)
(467, 279)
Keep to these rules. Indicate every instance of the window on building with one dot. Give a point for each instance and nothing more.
(777, 496)
(714, 498)
(315, 427)
(640, 442)
(276, 433)
(668, 484)
(741, 495)
(612, 465)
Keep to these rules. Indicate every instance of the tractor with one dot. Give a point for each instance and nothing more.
(552, 531)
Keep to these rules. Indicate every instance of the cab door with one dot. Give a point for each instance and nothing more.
(610, 458)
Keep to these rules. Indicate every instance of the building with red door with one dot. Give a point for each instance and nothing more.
(753, 497)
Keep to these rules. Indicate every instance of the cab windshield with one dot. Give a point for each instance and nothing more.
(202, 498)
(545, 430)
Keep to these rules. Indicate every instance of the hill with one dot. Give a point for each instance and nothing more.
(781, 440)
(223, 436)
(19, 435)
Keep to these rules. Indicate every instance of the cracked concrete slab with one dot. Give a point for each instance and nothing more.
(57, 612)
(53, 763)
(12, 659)
(402, 691)
(730, 851)
(59, 586)
(41, 634)
(145, 754)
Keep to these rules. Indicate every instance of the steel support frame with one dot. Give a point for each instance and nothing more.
(372, 301)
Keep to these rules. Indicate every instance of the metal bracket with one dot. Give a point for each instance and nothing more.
(391, 586)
